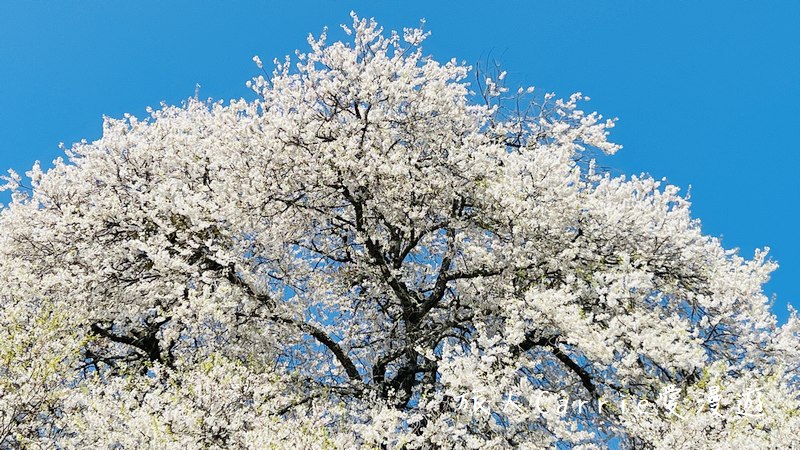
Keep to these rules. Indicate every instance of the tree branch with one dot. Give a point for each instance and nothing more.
(325, 340)
(552, 343)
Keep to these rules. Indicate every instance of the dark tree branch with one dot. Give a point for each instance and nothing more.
(145, 341)
(552, 344)
(325, 340)
(233, 277)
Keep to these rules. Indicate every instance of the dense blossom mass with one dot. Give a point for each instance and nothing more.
(381, 251)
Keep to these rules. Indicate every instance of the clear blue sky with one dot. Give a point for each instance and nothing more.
(707, 93)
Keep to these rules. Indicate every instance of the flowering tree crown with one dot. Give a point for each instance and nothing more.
(376, 253)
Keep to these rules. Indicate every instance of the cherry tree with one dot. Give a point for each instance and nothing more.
(381, 251)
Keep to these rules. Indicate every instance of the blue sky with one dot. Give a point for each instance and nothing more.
(706, 92)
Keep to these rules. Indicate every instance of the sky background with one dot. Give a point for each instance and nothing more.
(706, 93)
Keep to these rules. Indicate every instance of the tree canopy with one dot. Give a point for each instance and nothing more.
(381, 251)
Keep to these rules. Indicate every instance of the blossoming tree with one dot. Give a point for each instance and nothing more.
(372, 255)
